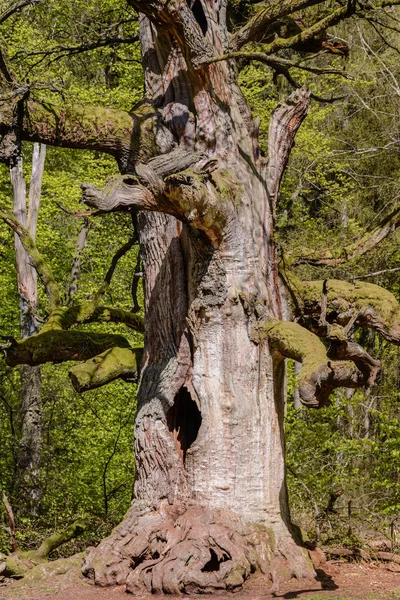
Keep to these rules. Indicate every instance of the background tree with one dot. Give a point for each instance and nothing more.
(28, 461)
(72, 483)
(211, 388)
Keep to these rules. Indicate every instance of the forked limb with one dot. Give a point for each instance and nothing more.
(319, 375)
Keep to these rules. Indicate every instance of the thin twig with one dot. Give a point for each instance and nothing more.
(376, 273)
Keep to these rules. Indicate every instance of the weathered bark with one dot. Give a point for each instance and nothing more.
(28, 460)
(210, 500)
(210, 492)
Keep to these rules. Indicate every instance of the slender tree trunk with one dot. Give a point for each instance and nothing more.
(28, 463)
(210, 499)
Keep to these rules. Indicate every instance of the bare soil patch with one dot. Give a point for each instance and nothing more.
(337, 580)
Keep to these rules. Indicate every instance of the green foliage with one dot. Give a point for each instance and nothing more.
(342, 178)
(87, 456)
(341, 181)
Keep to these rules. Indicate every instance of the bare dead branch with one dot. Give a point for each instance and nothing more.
(284, 124)
(367, 243)
(277, 63)
(76, 263)
(376, 273)
(17, 6)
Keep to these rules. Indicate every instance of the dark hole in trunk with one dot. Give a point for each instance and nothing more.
(214, 562)
(199, 14)
(184, 420)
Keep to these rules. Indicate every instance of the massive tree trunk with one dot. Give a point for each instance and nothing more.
(28, 460)
(210, 502)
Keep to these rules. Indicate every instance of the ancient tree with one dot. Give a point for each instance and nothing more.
(223, 310)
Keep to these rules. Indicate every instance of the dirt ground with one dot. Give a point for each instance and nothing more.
(337, 580)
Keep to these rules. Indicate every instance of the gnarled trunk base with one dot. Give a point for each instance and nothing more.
(193, 550)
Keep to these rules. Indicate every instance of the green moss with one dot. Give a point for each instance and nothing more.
(106, 367)
(14, 567)
(342, 295)
(56, 345)
(79, 125)
(296, 342)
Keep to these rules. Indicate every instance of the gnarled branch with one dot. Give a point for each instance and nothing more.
(319, 375)
(366, 304)
(190, 195)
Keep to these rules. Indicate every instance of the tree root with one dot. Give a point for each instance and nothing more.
(18, 564)
(192, 550)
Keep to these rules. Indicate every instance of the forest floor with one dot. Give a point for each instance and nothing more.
(337, 580)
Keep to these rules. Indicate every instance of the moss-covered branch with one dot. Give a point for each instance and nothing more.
(60, 346)
(127, 136)
(265, 24)
(42, 267)
(112, 364)
(366, 304)
(107, 357)
(109, 314)
(56, 540)
(365, 244)
(319, 375)
(17, 564)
